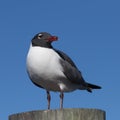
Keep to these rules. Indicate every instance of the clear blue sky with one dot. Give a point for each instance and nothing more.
(88, 31)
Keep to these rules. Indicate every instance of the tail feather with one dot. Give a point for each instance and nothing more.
(92, 86)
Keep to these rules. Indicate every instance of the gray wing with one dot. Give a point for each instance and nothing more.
(70, 69)
(66, 58)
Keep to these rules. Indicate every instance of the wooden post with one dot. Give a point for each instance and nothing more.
(65, 114)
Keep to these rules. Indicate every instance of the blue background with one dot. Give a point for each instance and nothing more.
(88, 31)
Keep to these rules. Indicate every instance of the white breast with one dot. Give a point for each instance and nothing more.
(45, 70)
(43, 63)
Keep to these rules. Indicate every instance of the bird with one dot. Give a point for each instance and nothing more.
(53, 70)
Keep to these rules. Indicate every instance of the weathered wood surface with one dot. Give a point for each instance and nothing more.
(65, 114)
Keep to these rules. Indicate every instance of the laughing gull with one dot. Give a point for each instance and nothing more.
(52, 69)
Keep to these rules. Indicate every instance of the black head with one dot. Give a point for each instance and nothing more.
(43, 39)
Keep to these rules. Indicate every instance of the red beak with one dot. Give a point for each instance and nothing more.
(52, 38)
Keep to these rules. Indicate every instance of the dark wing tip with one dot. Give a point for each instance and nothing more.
(92, 86)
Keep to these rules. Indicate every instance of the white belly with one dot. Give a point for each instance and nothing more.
(43, 62)
(44, 69)
(43, 66)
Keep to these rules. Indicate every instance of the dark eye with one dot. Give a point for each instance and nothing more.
(39, 36)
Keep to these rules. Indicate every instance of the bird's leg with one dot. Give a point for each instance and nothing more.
(61, 99)
(48, 98)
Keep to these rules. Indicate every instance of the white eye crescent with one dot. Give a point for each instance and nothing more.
(39, 36)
